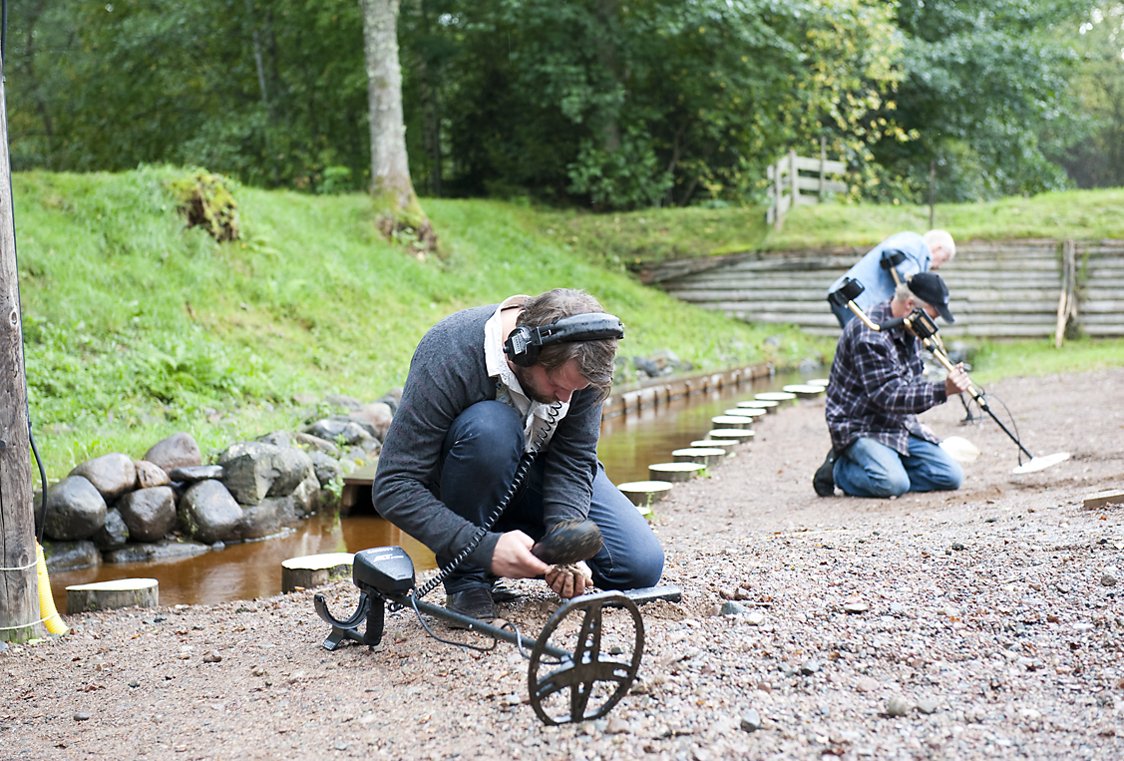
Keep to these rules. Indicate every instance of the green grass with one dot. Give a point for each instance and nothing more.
(994, 360)
(135, 327)
(653, 235)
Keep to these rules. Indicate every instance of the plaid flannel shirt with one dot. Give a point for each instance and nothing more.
(877, 386)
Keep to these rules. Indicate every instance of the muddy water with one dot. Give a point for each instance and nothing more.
(246, 571)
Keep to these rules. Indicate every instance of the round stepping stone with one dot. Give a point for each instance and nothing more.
(310, 571)
(706, 455)
(775, 396)
(109, 595)
(731, 421)
(644, 494)
(675, 471)
(749, 412)
(726, 443)
(818, 382)
(804, 390)
(733, 434)
(769, 405)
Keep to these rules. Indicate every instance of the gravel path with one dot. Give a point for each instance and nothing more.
(984, 623)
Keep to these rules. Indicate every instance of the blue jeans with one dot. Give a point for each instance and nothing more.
(870, 469)
(481, 453)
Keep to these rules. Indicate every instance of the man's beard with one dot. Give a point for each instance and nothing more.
(523, 375)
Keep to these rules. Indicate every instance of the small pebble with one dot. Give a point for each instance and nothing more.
(1108, 580)
(898, 706)
(81, 716)
(751, 720)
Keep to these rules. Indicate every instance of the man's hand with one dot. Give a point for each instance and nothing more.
(569, 580)
(513, 559)
(957, 381)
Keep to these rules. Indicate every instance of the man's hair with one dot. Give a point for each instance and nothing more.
(595, 358)
(902, 292)
(941, 239)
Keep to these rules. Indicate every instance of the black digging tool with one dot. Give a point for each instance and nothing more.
(566, 684)
(922, 326)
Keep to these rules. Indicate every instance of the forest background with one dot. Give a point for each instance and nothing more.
(601, 104)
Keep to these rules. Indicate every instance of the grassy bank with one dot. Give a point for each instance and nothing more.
(656, 234)
(136, 327)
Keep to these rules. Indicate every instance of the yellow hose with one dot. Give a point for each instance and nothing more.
(51, 618)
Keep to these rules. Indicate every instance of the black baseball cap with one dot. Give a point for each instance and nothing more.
(929, 287)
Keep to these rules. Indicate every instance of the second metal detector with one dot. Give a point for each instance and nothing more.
(922, 326)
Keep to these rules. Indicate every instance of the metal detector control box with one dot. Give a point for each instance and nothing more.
(385, 570)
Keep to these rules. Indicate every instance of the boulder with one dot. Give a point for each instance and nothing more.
(111, 474)
(254, 470)
(75, 509)
(114, 534)
(326, 467)
(149, 513)
(376, 416)
(268, 517)
(310, 444)
(150, 475)
(177, 451)
(345, 432)
(209, 513)
(70, 556)
(157, 552)
(195, 473)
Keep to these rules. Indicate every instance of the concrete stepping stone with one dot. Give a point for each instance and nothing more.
(708, 456)
(675, 472)
(110, 595)
(311, 571)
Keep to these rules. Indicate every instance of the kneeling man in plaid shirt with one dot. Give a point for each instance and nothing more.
(875, 392)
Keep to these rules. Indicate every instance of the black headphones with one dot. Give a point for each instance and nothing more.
(523, 345)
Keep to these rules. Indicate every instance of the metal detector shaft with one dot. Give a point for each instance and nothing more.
(495, 632)
(939, 352)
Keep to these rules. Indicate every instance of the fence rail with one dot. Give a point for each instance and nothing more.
(788, 187)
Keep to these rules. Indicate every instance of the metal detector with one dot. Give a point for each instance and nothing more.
(925, 329)
(565, 684)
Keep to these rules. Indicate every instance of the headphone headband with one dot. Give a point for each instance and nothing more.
(523, 344)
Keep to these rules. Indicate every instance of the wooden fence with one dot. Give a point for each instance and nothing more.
(999, 289)
(789, 188)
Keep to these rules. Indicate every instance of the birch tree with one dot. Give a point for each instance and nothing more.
(401, 216)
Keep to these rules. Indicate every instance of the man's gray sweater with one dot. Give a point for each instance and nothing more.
(447, 375)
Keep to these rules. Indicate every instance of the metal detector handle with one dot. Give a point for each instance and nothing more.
(939, 352)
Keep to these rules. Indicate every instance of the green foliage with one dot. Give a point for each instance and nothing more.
(206, 200)
(984, 80)
(602, 103)
(1094, 154)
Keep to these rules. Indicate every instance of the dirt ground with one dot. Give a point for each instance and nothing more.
(982, 623)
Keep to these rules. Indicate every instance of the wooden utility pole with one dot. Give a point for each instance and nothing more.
(19, 598)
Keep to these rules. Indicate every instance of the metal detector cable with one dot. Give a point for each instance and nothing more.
(522, 469)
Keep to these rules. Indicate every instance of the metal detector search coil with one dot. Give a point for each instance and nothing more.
(566, 684)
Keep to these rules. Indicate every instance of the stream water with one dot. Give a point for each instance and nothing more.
(629, 444)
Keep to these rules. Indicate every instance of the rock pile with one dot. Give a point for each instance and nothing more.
(169, 504)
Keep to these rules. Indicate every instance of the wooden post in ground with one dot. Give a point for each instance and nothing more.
(19, 595)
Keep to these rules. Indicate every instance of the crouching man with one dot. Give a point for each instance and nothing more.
(875, 392)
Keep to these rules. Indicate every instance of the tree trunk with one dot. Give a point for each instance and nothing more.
(390, 170)
(19, 598)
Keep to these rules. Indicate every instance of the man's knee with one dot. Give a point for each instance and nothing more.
(487, 429)
(636, 569)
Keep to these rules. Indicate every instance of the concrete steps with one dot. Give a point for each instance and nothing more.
(999, 290)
